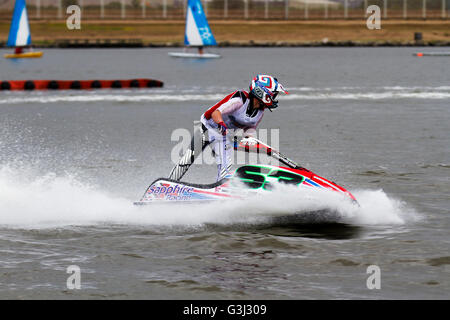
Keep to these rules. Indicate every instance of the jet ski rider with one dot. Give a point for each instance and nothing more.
(238, 110)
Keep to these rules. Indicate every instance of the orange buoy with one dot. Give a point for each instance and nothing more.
(78, 84)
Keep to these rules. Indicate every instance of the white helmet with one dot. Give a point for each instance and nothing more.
(266, 88)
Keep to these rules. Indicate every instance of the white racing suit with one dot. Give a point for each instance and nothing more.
(235, 116)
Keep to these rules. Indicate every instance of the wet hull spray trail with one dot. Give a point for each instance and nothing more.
(72, 164)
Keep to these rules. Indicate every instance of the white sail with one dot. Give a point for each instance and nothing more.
(19, 33)
(198, 32)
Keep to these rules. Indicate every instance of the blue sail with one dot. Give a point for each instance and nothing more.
(19, 33)
(198, 32)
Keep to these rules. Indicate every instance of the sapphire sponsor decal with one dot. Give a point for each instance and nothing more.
(169, 192)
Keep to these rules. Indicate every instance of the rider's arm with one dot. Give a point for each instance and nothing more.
(227, 108)
(217, 116)
(221, 126)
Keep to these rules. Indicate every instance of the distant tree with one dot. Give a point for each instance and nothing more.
(136, 3)
(66, 3)
(114, 5)
(232, 4)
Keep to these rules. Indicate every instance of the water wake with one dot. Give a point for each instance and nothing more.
(50, 201)
(212, 94)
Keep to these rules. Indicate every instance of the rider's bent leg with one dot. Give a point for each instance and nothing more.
(223, 151)
(199, 142)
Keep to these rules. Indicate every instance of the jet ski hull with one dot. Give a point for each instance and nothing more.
(250, 179)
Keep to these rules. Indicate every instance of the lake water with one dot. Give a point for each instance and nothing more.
(375, 120)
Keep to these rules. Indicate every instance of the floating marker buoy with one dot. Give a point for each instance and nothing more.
(134, 83)
(153, 83)
(29, 85)
(78, 84)
(75, 85)
(432, 54)
(53, 85)
(96, 84)
(116, 84)
(5, 85)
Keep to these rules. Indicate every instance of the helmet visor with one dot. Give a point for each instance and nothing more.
(259, 93)
(274, 95)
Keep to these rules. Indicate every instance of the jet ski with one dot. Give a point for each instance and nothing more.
(245, 181)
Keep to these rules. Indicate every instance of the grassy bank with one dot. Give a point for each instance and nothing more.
(171, 33)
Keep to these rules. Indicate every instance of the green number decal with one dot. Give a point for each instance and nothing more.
(255, 177)
(284, 177)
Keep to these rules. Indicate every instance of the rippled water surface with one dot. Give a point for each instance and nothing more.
(374, 120)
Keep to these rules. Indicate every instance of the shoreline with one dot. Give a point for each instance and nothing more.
(238, 33)
(136, 43)
(343, 44)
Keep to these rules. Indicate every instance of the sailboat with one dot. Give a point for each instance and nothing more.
(197, 33)
(19, 33)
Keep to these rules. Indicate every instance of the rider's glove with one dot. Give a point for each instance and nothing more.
(222, 127)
